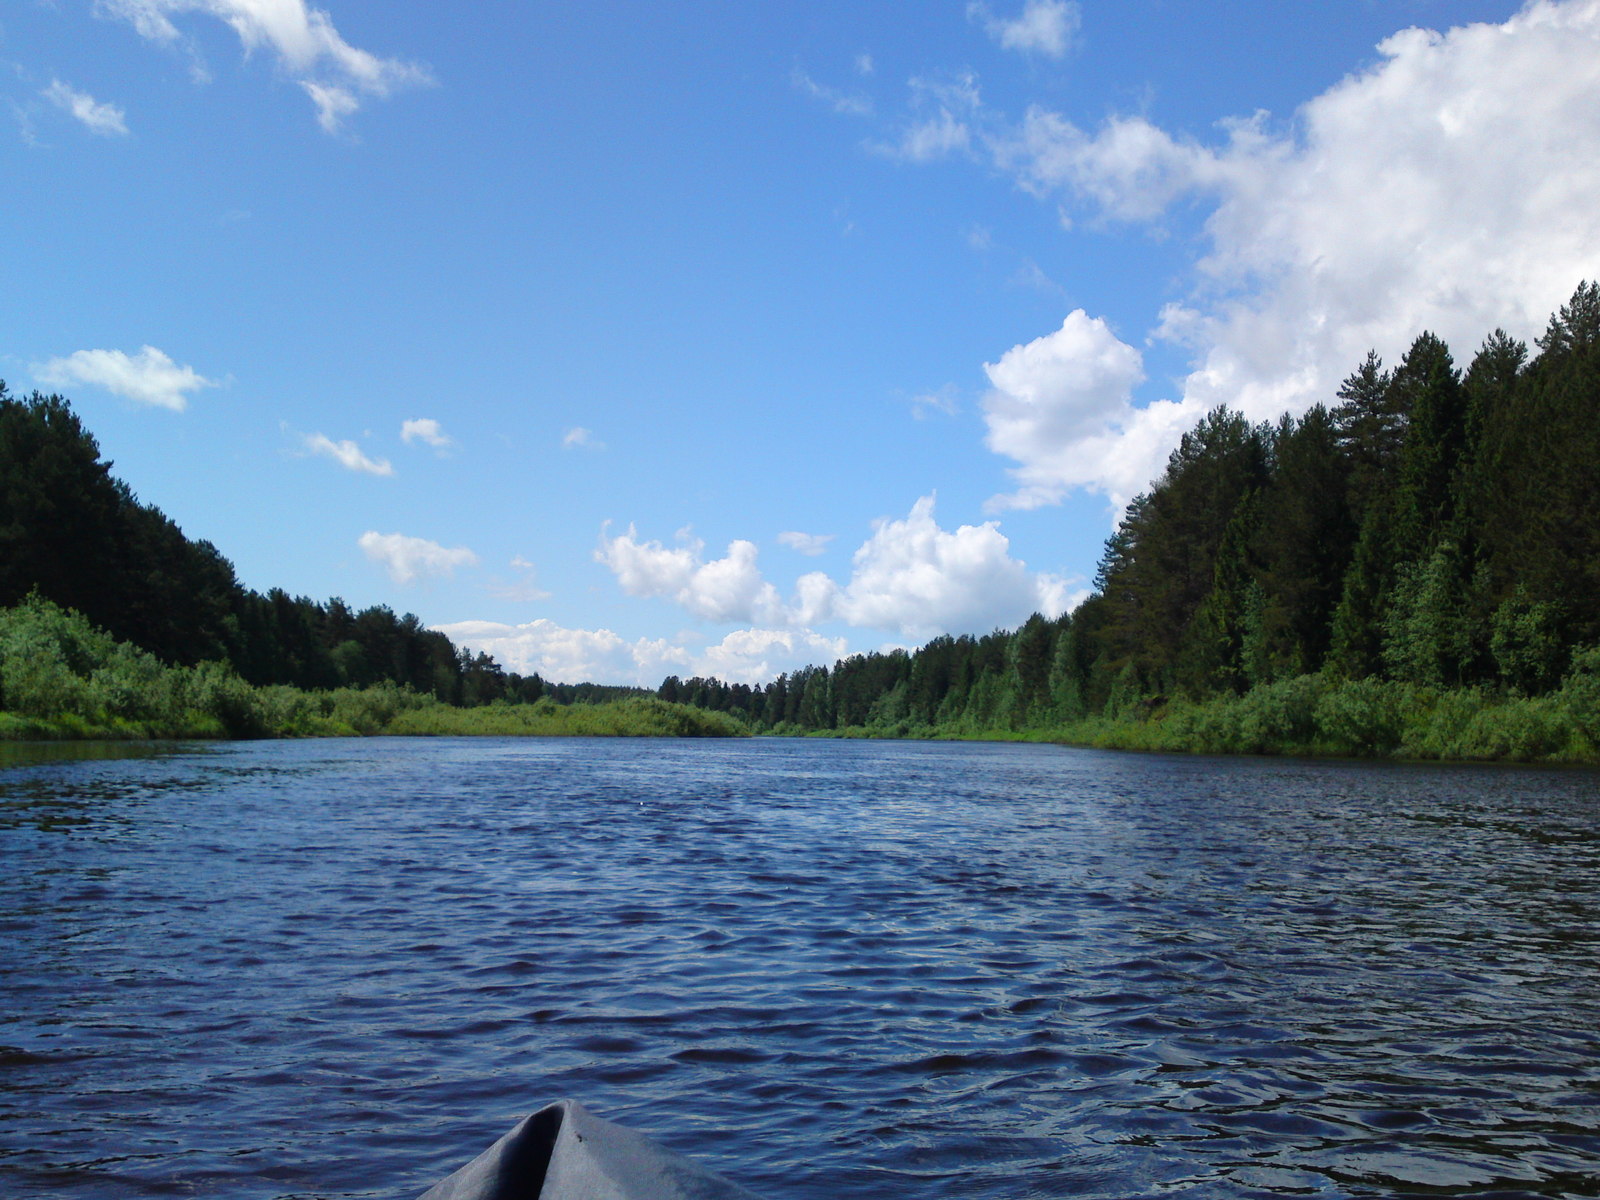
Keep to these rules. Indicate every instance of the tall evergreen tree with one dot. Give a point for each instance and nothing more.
(1427, 389)
(1371, 427)
(1303, 544)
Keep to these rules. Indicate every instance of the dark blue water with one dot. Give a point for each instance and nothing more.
(826, 969)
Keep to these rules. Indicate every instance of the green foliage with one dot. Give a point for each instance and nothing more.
(633, 717)
(62, 677)
(1427, 634)
(80, 538)
(1428, 391)
(1363, 716)
(1526, 641)
(1301, 549)
(1407, 573)
(1580, 694)
(1371, 428)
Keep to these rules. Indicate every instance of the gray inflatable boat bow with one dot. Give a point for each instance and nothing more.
(565, 1152)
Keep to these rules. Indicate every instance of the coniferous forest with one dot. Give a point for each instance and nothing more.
(1411, 568)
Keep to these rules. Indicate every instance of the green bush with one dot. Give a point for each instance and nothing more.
(1364, 716)
(1580, 694)
(1521, 730)
(1442, 731)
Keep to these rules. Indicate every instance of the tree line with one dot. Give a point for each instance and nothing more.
(1431, 532)
(1431, 527)
(73, 534)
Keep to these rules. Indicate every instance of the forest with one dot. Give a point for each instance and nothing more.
(75, 535)
(1413, 567)
(1410, 569)
(114, 623)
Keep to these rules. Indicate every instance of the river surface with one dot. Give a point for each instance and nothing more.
(829, 970)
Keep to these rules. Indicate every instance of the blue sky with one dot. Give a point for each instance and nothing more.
(623, 340)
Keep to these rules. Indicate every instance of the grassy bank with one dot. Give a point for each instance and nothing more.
(642, 717)
(61, 678)
(1370, 718)
(1315, 715)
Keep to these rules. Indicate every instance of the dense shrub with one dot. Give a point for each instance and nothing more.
(61, 677)
(1364, 716)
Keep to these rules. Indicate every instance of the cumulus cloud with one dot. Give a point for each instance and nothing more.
(1450, 188)
(1447, 187)
(346, 453)
(921, 580)
(564, 655)
(1129, 169)
(408, 559)
(910, 576)
(730, 588)
(1045, 27)
(1062, 406)
(806, 543)
(579, 438)
(335, 75)
(149, 377)
(105, 119)
(758, 655)
(427, 431)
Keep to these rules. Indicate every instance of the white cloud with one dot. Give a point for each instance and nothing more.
(806, 543)
(945, 400)
(853, 104)
(1448, 187)
(333, 73)
(1043, 27)
(522, 590)
(408, 559)
(105, 119)
(943, 125)
(427, 430)
(1031, 275)
(1451, 187)
(910, 576)
(346, 453)
(149, 377)
(914, 577)
(563, 655)
(756, 656)
(334, 103)
(937, 136)
(1130, 170)
(148, 17)
(579, 438)
(1062, 407)
(725, 589)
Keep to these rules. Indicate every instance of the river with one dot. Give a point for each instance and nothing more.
(827, 969)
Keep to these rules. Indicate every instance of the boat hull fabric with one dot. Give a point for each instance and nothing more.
(565, 1152)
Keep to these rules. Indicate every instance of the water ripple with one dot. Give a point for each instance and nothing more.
(835, 970)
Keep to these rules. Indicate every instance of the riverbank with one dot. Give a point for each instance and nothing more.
(1320, 717)
(378, 712)
(62, 678)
